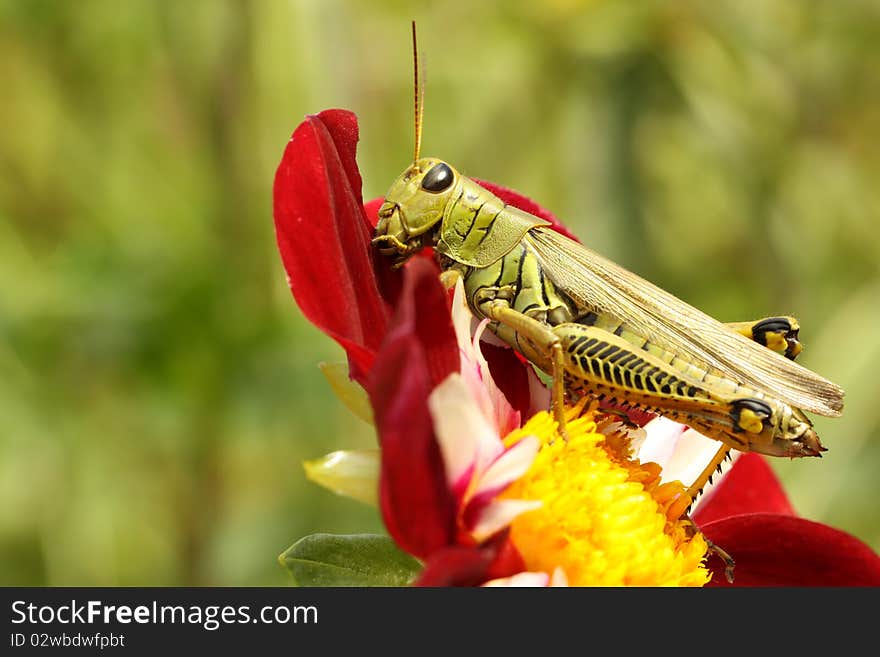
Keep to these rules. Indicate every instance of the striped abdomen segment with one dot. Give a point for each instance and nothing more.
(687, 368)
(606, 362)
(607, 365)
(602, 363)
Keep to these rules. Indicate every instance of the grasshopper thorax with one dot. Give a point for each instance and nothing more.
(414, 206)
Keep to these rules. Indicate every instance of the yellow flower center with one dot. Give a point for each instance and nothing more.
(604, 516)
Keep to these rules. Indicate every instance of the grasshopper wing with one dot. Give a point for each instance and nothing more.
(597, 283)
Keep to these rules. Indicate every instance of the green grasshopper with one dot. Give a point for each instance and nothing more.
(598, 329)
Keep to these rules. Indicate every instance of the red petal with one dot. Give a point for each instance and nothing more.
(324, 236)
(424, 315)
(455, 566)
(526, 204)
(750, 487)
(638, 416)
(472, 566)
(511, 376)
(780, 550)
(419, 351)
(371, 210)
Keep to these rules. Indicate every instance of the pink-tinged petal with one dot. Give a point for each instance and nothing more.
(510, 465)
(497, 515)
(749, 487)
(528, 205)
(781, 550)
(467, 441)
(521, 580)
(539, 394)
(472, 566)
(324, 236)
(515, 376)
(463, 320)
(475, 370)
(419, 351)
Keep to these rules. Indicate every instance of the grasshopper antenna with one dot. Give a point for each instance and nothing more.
(418, 99)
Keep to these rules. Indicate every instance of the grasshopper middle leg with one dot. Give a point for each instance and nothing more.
(543, 343)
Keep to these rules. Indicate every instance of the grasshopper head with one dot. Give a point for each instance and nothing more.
(413, 206)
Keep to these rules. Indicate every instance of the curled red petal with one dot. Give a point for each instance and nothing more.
(749, 487)
(781, 550)
(324, 236)
(472, 565)
(419, 351)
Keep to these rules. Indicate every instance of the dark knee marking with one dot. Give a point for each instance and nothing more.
(749, 414)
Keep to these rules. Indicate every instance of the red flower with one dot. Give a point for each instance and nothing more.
(751, 517)
(324, 237)
(400, 351)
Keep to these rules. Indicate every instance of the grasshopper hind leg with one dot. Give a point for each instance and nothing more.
(780, 334)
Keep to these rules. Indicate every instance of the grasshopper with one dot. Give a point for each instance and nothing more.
(598, 329)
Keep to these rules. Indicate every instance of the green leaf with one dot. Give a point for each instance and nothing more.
(349, 560)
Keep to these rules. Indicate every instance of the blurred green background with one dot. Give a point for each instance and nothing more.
(158, 385)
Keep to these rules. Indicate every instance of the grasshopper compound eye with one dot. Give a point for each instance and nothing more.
(438, 178)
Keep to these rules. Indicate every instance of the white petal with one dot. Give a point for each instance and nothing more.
(661, 437)
(683, 453)
(461, 317)
(692, 453)
(709, 489)
(509, 466)
(521, 579)
(497, 515)
(466, 438)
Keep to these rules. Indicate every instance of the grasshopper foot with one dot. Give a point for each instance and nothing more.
(729, 563)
